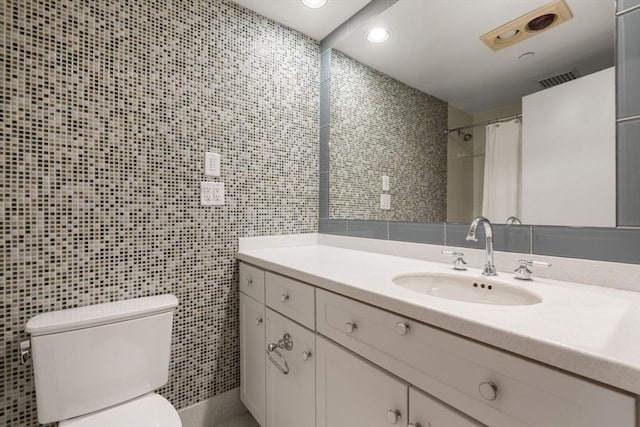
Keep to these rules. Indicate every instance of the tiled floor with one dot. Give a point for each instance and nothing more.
(245, 420)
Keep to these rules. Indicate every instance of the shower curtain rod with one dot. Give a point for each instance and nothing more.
(488, 122)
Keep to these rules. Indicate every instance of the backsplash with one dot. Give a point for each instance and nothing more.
(109, 108)
(380, 126)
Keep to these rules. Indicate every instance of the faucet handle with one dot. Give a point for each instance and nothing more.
(523, 272)
(459, 263)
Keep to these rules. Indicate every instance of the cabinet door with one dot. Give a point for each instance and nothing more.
(252, 363)
(291, 397)
(425, 411)
(353, 393)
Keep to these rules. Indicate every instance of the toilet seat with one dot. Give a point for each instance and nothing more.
(149, 410)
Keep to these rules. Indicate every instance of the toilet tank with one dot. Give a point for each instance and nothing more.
(86, 359)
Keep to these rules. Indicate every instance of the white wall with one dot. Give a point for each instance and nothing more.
(568, 153)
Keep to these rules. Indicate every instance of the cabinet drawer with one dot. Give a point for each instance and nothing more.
(456, 370)
(292, 298)
(252, 281)
(291, 397)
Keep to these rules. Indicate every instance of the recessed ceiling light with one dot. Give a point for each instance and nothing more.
(314, 4)
(378, 34)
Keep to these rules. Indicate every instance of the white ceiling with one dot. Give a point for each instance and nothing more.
(316, 23)
(435, 47)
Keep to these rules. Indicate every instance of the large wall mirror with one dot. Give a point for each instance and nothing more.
(436, 125)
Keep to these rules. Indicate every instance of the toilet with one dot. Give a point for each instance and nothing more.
(98, 366)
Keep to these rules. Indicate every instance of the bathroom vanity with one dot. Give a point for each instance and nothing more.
(328, 339)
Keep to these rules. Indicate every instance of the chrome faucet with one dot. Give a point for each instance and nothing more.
(489, 268)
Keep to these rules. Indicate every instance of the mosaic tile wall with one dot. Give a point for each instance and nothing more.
(380, 126)
(108, 108)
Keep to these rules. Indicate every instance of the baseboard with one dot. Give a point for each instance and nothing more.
(213, 411)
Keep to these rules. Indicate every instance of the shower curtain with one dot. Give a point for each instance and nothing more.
(502, 171)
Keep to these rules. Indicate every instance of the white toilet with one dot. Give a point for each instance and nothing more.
(98, 366)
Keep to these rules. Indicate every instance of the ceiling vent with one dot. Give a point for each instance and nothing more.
(559, 79)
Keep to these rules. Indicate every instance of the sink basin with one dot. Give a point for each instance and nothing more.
(478, 290)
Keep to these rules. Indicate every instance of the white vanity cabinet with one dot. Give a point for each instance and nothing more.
(354, 393)
(252, 362)
(489, 385)
(355, 365)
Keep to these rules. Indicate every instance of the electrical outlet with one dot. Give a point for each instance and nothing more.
(212, 164)
(211, 193)
(385, 202)
(218, 193)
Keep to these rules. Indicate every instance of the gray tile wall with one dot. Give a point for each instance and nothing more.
(604, 244)
(628, 64)
(628, 98)
(380, 126)
(628, 170)
(108, 109)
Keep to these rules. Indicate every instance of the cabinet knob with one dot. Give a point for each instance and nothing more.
(248, 281)
(488, 390)
(402, 328)
(393, 416)
(350, 327)
(258, 320)
(284, 297)
(306, 355)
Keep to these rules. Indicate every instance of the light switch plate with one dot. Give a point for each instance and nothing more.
(211, 193)
(212, 164)
(385, 183)
(385, 202)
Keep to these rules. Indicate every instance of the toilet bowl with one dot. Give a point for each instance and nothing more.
(148, 410)
(98, 366)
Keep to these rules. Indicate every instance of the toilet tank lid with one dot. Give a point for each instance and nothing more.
(99, 314)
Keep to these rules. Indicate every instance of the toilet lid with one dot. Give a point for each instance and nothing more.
(150, 410)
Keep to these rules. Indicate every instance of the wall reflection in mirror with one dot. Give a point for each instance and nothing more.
(435, 124)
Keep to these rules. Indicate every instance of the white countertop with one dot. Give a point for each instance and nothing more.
(588, 330)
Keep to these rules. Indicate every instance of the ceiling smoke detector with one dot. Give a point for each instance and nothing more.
(528, 25)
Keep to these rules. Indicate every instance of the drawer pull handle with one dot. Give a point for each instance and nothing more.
(402, 328)
(284, 298)
(350, 327)
(414, 425)
(258, 320)
(393, 416)
(306, 355)
(248, 281)
(488, 390)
